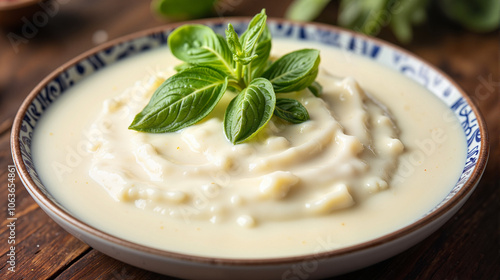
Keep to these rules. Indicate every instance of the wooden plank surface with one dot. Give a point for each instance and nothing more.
(466, 247)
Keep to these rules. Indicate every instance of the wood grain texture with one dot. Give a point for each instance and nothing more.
(466, 247)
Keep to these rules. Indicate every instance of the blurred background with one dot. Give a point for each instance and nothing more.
(38, 36)
(461, 37)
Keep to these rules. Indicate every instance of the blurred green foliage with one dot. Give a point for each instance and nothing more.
(183, 9)
(366, 16)
(476, 15)
(369, 16)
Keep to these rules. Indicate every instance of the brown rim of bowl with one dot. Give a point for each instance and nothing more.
(426, 220)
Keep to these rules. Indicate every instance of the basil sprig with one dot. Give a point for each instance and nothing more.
(213, 64)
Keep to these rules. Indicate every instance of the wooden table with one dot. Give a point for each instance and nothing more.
(467, 247)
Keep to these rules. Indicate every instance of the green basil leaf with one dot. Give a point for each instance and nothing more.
(183, 66)
(294, 71)
(257, 66)
(255, 28)
(315, 89)
(182, 100)
(249, 111)
(235, 47)
(199, 45)
(245, 60)
(233, 41)
(291, 110)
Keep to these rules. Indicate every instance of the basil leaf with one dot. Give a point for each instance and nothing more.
(233, 41)
(243, 49)
(294, 71)
(199, 45)
(263, 49)
(182, 100)
(315, 89)
(183, 66)
(291, 110)
(245, 60)
(249, 111)
(254, 30)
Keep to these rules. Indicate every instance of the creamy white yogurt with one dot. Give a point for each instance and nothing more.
(377, 154)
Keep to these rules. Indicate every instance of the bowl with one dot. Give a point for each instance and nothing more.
(318, 265)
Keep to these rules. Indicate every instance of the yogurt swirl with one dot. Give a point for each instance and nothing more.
(345, 153)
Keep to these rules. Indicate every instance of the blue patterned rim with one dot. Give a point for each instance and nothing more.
(383, 53)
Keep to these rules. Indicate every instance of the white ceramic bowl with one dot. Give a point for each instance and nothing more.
(318, 265)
